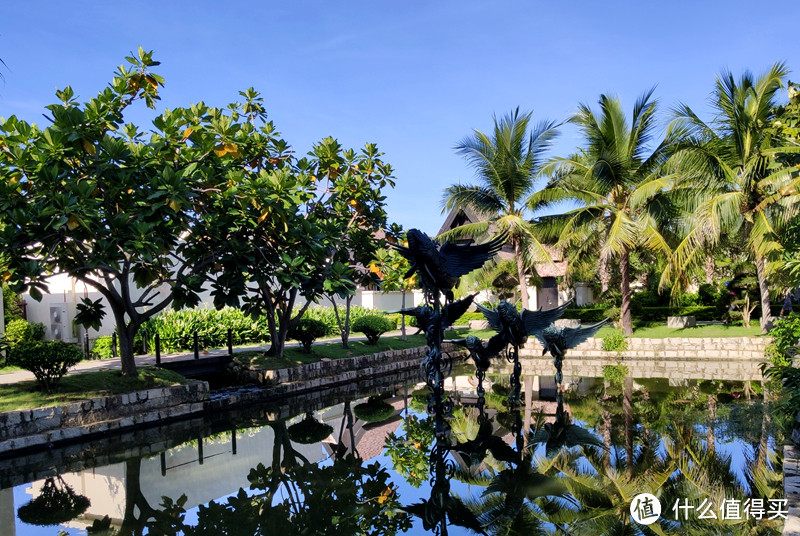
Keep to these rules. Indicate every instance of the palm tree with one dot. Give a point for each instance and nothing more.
(619, 183)
(506, 163)
(742, 187)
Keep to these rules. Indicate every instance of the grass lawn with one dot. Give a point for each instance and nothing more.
(659, 330)
(293, 356)
(74, 387)
(9, 368)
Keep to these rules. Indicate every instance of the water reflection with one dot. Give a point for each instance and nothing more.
(546, 469)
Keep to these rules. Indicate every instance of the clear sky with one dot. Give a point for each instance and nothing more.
(415, 77)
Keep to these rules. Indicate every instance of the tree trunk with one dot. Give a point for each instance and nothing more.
(627, 410)
(709, 269)
(605, 273)
(625, 312)
(137, 510)
(605, 430)
(403, 317)
(523, 280)
(346, 329)
(126, 334)
(711, 417)
(766, 316)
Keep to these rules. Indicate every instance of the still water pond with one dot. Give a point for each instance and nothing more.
(706, 450)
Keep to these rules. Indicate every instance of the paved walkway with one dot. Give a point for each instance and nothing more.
(150, 359)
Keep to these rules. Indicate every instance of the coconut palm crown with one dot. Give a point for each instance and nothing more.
(741, 188)
(619, 180)
(506, 163)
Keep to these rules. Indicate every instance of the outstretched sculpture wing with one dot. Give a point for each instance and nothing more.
(496, 344)
(462, 259)
(575, 336)
(453, 311)
(491, 316)
(536, 321)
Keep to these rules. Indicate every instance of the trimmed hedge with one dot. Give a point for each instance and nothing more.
(587, 315)
(309, 431)
(175, 328)
(307, 330)
(20, 330)
(464, 319)
(648, 314)
(48, 360)
(327, 316)
(373, 326)
(102, 348)
(373, 410)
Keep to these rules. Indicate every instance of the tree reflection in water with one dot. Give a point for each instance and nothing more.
(558, 478)
(292, 496)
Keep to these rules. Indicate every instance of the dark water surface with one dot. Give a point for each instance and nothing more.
(252, 472)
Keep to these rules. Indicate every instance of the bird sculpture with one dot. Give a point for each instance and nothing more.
(555, 340)
(439, 267)
(427, 317)
(515, 327)
(480, 353)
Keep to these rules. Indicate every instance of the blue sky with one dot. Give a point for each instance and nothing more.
(414, 77)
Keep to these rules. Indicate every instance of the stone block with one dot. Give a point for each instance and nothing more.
(681, 322)
(563, 323)
(478, 324)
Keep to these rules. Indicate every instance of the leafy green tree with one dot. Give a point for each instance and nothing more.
(391, 268)
(506, 163)
(275, 237)
(618, 179)
(742, 184)
(100, 200)
(355, 211)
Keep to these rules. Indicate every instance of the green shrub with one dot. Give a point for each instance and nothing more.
(11, 304)
(328, 317)
(464, 319)
(102, 348)
(616, 342)
(56, 503)
(19, 331)
(785, 335)
(614, 313)
(309, 431)
(48, 360)
(660, 314)
(38, 331)
(373, 410)
(590, 315)
(373, 326)
(307, 330)
(615, 374)
(176, 328)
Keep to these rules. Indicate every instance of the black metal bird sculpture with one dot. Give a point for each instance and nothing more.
(428, 319)
(513, 329)
(516, 327)
(439, 267)
(482, 354)
(555, 340)
(485, 441)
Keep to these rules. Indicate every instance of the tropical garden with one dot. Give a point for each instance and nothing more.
(661, 211)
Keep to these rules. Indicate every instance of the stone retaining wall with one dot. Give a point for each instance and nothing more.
(39, 428)
(42, 427)
(333, 371)
(734, 358)
(737, 348)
